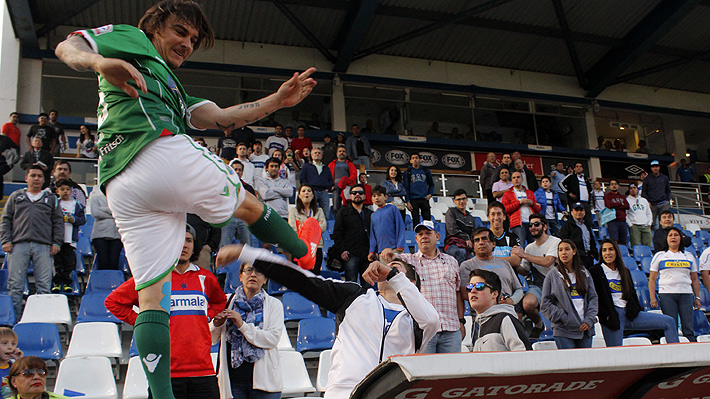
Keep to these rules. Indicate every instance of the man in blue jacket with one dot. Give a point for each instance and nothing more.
(420, 188)
(657, 190)
(318, 176)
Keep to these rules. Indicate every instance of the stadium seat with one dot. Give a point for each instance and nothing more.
(640, 279)
(3, 281)
(693, 228)
(544, 345)
(136, 384)
(704, 299)
(324, 363)
(478, 222)
(284, 341)
(624, 250)
(409, 241)
(132, 350)
(644, 297)
(295, 374)
(468, 339)
(80, 265)
(123, 262)
(700, 323)
(7, 311)
(630, 263)
(75, 285)
(330, 223)
(315, 334)
(331, 274)
(95, 339)
(699, 245)
(678, 226)
(83, 246)
(39, 339)
(523, 283)
(646, 264)
(642, 251)
(598, 342)
(297, 307)
(408, 224)
(603, 233)
(636, 341)
(232, 282)
(703, 235)
(104, 280)
(681, 339)
(90, 377)
(93, 309)
(274, 288)
(47, 308)
(547, 334)
(703, 338)
(688, 233)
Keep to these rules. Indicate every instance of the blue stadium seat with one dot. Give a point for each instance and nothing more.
(644, 297)
(123, 262)
(7, 311)
(39, 339)
(688, 233)
(75, 286)
(623, 250)
(80, 265)
(4, 263)
(274, 288)
(640, 279)
(232, 282)
(699, 245)
(646, 265)
(92, 309)
(603, 233)
(330, 223)
(630, 263)
(466, 309)
(678, 226)
(703, 235)
(524, 283)
(642, 251)
(133, 350)
(700, 323)
(409, 240)
(83, 246)
(704, 299)
(315, 334)
(330, 274)
(86, 228)
(297, 307)
(547, 334)
(3, 281)
(104, 280)
(408, 224)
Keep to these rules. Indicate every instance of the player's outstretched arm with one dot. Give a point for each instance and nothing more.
(78, 55)
(291, 92)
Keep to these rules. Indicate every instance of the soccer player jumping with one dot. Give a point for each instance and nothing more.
(152, 172)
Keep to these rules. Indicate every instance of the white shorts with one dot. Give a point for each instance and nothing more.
(169, 178)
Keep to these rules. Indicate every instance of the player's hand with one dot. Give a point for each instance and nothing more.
(294, 90)
(345, 256)
(584, 327)
(376, 272)
(119, 73)
(227, 254)
(387, 255)
(7, 247)
(54, 250)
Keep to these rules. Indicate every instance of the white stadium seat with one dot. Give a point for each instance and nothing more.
(295, 374)
(633, 341)
(544, 345)
(47, 308)
(136, 385)
(324, 363)
(87, 377)
(681, 339)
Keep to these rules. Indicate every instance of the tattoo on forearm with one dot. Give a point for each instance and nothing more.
(223, 128)
(255, 104)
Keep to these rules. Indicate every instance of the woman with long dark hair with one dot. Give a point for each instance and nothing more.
(619, 306)
(307, 206)
(396, 193)
(569, 299)
(678, 287)
(85, 145)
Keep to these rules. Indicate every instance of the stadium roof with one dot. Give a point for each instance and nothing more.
(657, 43)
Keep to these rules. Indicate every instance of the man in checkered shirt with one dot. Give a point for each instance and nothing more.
(440, 280)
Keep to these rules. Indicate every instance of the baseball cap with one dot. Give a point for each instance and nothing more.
(655, 163)
(578, 205)
(633, 185)
(190, 230)
(427, 224)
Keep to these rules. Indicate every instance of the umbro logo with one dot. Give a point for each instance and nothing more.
(151, 361)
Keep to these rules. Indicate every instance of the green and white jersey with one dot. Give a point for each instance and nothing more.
(127, 124)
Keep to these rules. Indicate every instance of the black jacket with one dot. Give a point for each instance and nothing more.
(205, 232)
(351, 231)
(531, 179)
(570, 185)
(573, 232)
(659, 239)
(28, 159)
(607, 314)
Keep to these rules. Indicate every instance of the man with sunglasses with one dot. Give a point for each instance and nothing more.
(351, 235)
(537, 259)
(484, 241)
(496, 321)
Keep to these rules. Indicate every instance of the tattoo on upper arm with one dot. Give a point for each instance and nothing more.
(223, 128)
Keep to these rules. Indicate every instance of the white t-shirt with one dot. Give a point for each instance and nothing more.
(524, 209)
(68, 208)
(704, 263)
(615, 286)
(550, 211)
(258, 160)
(549, 248)
(583, 193)
(249, 171)
(275, 143)
(674, 269)
(599, 200)
(577, 298)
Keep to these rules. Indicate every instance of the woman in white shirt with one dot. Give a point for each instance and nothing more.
(678, 286)
(619, 306)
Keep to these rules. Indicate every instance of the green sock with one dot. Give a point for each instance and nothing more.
(272, 228)
(152, 335)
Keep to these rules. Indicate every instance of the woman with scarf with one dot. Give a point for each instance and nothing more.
(249, 329)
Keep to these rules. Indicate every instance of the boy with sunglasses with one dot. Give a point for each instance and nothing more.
(496, 327)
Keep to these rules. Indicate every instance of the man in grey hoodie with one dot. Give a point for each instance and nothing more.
(496, 327)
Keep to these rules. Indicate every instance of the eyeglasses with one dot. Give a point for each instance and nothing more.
(250, 270)
(31, 372)
(357, 192)
(478, 287)
(535, 224)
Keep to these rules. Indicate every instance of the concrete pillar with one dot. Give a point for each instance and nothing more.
(29, 88)
(595, 166)
(9, 64)
(339, 123)
(677, 144)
